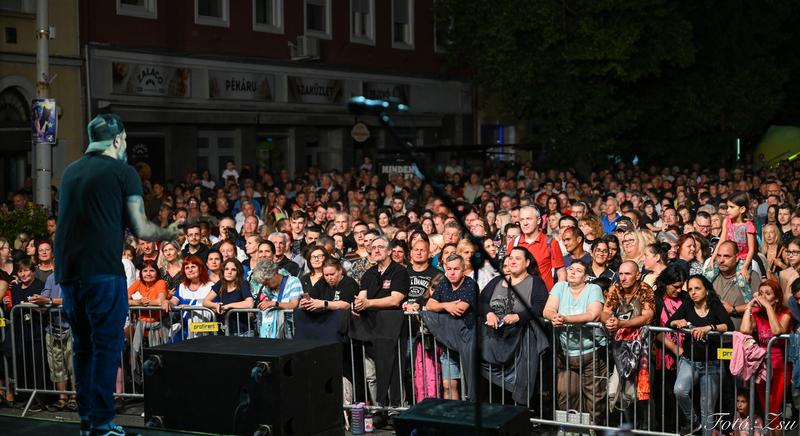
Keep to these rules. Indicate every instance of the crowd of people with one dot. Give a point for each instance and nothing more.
(631, 277)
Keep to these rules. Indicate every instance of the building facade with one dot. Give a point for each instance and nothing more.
(265, 82)
(18, 88)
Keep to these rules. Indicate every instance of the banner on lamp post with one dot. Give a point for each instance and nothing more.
(44, 121)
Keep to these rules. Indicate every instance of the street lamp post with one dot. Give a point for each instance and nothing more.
(43, 166)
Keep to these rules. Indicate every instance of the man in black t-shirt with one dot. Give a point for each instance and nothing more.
(420, 273)
(383, 288)
(386, 284)
(100, 194)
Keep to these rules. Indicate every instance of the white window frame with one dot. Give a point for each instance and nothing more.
(149, 10)
(409, 44)
(224, 21)
(277, 25)
(369, 39)
(328, 21)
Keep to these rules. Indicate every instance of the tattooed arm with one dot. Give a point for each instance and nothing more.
(143, 228)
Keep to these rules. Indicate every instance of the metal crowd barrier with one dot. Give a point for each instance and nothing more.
(40, 349)
(41, 346)
(421, 361)
(246, 322)
(592, 409)
(7, 380)
(150, 326)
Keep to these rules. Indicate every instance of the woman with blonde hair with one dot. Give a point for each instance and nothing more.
(633, 247)
(484, 274)
(647, 235)
(772, 249)
(501, 219)
(437, 243)
(170, 265)
(552, 226)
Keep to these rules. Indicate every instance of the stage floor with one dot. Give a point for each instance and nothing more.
(13, 426)
(64, 422)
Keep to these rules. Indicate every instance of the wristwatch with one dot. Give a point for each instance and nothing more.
(326, 304)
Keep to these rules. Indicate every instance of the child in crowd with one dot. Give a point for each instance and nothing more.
(741, 422)
(739, 228)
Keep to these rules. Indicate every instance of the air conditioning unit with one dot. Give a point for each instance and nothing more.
(307, 47)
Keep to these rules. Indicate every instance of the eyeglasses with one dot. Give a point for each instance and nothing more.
(699, 226)
(577, 269)
(318, 256)
(793, 252)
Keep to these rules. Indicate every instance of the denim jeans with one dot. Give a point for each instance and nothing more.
(688, 374)
(96, 310)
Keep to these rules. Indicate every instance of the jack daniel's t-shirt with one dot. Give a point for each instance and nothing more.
(420, 280)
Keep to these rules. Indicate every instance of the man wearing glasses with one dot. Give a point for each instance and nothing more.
(385, 285)
(383, 289)
(702, 225)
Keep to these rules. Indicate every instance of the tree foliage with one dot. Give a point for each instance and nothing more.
(31, 220)
(589, 77)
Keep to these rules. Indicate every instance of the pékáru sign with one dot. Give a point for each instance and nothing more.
(235, 85)
(360, 132)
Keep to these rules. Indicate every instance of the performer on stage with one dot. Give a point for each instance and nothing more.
(98, 192)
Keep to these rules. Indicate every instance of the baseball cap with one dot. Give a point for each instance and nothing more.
(624, 226)
(102, 130)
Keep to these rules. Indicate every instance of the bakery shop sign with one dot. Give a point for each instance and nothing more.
(234, 85)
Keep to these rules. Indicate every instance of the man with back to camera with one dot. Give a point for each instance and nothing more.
(97, 191)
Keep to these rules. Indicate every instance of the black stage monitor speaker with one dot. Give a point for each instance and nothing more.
(448, 417)
(235, 385)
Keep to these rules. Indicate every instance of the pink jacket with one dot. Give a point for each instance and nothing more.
(748, 358)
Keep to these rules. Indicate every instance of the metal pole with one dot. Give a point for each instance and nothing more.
(43, 167)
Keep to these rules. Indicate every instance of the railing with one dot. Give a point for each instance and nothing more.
(41, 346)
(570, 388)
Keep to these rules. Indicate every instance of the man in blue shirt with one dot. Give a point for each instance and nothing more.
(610, 215)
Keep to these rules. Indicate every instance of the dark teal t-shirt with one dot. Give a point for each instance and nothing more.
(93, 216)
